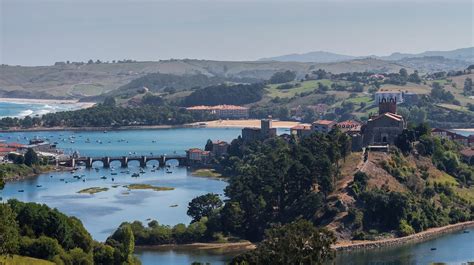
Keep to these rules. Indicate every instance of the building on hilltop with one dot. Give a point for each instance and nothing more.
(397, 96)
(223, 111)
(385, 127)
(265, 131)
(405, 97)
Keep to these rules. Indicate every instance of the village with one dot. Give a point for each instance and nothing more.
(377, 134)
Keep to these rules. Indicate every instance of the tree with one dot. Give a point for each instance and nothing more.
(282, 77)
(124, 243)
(9, 235)
(31, 158)
(404, 141)
(109, 101)
(403, 74)
(103, 254)
(43, 247)
(299, 242)
(468, 86)
(203, 205)
(414, 77)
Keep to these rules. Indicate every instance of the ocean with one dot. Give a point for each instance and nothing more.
(20, 110)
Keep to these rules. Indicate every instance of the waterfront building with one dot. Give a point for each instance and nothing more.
(219, 148)
(223, 111)
(265, 131)
(196, 155)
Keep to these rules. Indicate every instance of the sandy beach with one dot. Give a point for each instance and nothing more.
(81, 105)
(243, 123)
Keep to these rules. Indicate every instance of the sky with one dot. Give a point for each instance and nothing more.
(41, 32)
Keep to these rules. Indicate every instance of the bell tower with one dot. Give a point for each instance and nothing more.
(389, 105)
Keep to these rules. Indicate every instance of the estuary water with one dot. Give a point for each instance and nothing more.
(103, 212)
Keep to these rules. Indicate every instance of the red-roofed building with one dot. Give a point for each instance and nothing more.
(349, 126)
(468, 155)
(301, 130)
(323, 126)
(196, 155)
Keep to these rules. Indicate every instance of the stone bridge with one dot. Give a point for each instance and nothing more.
(88, 161)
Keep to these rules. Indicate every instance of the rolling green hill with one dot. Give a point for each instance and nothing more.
(84, 80)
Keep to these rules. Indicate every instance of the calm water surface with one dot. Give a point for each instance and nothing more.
(103, 212)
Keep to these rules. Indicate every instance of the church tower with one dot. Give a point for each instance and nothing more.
(388, 106)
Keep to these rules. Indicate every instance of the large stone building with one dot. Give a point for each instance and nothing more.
(383, 128)
(265, 131)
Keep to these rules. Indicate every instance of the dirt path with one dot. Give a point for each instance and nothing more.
(342, 192)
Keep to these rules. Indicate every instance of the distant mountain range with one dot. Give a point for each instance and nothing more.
(463, 54)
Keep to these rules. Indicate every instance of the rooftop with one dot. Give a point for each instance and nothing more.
(195, 150)
(390, 115)
(301, 127)
(324, 122)
(468, 152)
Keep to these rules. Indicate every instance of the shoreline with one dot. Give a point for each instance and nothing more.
(345, 246)
(210, 124)
(46, 101)
(123, 128)
(398, 241)
(36, 174)
(224, 247)
(243, 123)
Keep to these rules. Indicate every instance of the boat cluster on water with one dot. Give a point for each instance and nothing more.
(75, 177)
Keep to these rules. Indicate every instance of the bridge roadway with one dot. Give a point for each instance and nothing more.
(88, 161)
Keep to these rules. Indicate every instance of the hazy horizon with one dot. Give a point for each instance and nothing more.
(42, 32)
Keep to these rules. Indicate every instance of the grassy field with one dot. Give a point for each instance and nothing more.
(456, 86)
(453, 107)
(466, 193)
(306, 86)
(147, 187)
(93, 190)
(88, 89)
(410, 87)
(443, 178)
(20, 260)
(208, 173)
